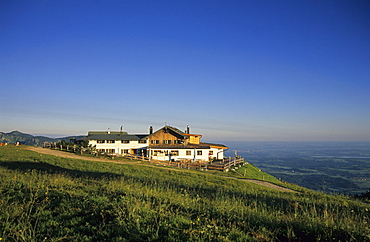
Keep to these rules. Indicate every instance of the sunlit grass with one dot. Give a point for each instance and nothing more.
(50, 198)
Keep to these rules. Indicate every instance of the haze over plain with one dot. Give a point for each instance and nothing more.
(232, 70)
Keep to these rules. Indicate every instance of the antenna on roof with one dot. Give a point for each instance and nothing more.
(165, 123)
(121, 128)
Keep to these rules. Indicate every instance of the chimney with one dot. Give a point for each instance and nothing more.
(108, 130)
(188, 129)
(150, 129)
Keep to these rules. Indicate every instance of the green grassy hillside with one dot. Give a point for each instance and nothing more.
(47, 198)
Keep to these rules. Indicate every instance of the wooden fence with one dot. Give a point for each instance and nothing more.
(223, 165)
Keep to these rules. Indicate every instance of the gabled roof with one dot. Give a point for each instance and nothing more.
(174, 131)
(104, 135)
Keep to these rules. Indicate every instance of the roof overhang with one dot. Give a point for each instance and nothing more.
(196, 135)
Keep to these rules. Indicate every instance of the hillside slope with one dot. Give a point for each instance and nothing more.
(250, 168)
(45, 197)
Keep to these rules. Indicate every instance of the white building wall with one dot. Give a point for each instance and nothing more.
(217, 153)
(118, 146)
(165, 154)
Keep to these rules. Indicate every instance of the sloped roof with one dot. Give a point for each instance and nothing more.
(99, 135)
(173, 130)
(220, 146)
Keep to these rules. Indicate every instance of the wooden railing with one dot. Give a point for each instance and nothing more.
(136, 157)
(223, 165)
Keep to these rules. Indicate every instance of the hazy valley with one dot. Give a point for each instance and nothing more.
(332, 167)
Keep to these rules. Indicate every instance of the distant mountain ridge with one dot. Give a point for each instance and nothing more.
(28, 139)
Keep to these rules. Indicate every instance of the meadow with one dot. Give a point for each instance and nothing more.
(48, 198)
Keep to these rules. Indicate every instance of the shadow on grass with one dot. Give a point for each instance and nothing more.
(51, 169)
(266, 202)
(212, 191)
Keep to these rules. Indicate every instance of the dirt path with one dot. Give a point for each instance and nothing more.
(74, 156)
(271, 185)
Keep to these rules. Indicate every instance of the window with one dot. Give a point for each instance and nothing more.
(156, 152)
(211, 152)
(109, 151)
(110, 141)
(125, 151)
(174, 152)
(101, 141)
(168, 142)
(154, 142)
(188, 152)
(199, 152)
(142, 141)
(178, 141)
(125, 141)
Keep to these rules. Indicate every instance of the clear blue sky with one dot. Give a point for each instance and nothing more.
(232, 70)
